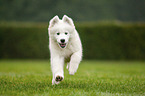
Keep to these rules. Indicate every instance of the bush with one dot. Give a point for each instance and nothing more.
(100, 41)
(24, 42)
(113, 42)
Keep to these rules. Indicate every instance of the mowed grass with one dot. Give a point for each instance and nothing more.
(93, 78)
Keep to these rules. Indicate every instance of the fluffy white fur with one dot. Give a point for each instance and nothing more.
(70, 49)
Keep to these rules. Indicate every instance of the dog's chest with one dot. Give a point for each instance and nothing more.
(66, 53)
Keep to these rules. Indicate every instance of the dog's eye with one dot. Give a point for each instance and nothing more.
(66, 33)
(58, 33)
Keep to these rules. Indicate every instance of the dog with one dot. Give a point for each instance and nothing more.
(64, 44)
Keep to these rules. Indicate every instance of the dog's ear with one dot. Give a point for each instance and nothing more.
(68, 20)
(53, 21)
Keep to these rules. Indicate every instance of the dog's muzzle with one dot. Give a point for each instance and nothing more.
(62, 44)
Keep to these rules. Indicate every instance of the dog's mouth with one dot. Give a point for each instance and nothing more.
(62, 45)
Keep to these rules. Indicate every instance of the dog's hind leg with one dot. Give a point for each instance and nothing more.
(67, 67)
(74, 62)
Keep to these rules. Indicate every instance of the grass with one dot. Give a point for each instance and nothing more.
(93, 78)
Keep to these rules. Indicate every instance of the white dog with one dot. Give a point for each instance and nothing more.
(64, 44)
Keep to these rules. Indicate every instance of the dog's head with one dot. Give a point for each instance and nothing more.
(61, 30)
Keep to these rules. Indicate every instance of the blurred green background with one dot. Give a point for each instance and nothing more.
(109, 29)
(79, 10)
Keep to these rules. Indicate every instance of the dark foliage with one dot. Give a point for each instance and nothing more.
(101, 42)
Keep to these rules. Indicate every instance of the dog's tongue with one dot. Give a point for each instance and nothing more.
(62, 45)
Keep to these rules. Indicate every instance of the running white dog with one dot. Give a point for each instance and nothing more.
(64, 44)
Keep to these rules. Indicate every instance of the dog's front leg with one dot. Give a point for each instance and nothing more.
(74, 62)
(57, 69)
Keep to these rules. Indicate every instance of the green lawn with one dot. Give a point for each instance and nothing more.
(100, 78)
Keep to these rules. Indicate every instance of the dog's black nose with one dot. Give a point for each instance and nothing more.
(62, 40)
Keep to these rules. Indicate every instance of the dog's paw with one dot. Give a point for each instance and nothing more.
(58, 78)
(72, 72)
